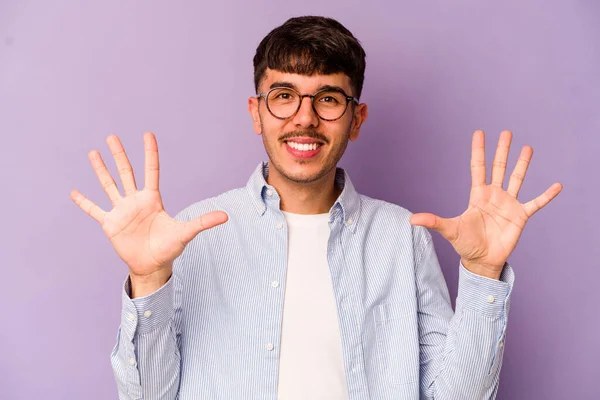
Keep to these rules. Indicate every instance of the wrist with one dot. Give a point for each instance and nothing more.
(483, 270)
(144, 285)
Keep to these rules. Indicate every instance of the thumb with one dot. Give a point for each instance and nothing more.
(442, 225)
(203, 222)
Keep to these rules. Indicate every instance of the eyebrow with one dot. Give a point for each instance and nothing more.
(290, 85)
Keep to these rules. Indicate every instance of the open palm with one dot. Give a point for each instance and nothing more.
(488, 231)
(140, 230)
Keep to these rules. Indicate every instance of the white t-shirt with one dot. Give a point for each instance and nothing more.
(311, 365)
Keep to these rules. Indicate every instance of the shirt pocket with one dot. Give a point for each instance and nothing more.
(397, 338)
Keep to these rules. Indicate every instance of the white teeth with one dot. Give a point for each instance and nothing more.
(303, 146)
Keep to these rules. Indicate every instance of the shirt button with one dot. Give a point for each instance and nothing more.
(270, 346)
(349, 221)
(269, 192)
(132, 361)
(501, 344)
(130, 317)
(491, 299)
(279, 225)
(147, 314)
(275, 284)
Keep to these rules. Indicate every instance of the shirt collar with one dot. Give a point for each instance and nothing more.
(347, 204)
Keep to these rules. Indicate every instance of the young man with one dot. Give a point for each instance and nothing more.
(309, 290)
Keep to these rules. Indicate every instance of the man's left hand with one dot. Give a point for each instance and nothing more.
(488, 231)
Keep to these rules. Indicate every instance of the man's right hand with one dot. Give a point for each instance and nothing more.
(140, 230)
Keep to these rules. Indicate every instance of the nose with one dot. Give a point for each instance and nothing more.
(306, 116)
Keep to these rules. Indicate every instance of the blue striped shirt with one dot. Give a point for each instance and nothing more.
(213, 330)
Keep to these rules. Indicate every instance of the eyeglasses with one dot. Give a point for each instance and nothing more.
(328, 104)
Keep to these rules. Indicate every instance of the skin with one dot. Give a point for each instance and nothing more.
(148, 240)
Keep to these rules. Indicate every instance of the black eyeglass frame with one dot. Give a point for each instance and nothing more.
(312, 101)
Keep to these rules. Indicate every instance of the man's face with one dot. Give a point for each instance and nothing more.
(286, 140)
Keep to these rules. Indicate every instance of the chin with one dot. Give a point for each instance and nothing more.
(304, 172)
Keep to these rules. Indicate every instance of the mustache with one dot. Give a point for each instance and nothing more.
(305, 133)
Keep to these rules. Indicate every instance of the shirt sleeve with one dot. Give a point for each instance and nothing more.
(461, 352)
(146, 359)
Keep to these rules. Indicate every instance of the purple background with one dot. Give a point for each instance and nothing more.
(71, 72)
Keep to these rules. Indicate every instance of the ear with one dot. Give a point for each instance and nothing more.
(253, 104)
(361, 112)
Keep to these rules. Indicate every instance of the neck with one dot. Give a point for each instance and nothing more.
(305, 198)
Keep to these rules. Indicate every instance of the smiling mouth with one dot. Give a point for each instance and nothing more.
(300, 146)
